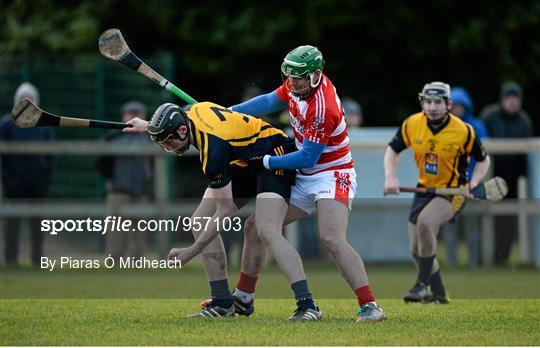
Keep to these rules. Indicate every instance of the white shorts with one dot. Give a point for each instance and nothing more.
(334, 184)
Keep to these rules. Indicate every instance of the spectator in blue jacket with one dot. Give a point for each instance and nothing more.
(462, 107)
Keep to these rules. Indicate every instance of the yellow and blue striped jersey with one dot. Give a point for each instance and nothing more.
(441, 154)
(224, 137)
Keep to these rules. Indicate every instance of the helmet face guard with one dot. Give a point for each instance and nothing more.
(435, 89)
(179, 150)
(303, 62)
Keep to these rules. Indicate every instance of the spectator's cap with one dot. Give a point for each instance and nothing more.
(134, 107)
(511, 88)
(351, 106)
(26, 89)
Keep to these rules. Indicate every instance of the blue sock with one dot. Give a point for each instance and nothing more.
(302, 295)
(424, 269)
(221, 294)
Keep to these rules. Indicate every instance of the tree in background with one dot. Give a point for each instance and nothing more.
(380, 51)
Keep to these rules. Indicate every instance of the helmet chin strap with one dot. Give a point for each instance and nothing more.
(312, 83)
(181, 150)
(308, 91)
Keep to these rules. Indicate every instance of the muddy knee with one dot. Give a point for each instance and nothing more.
(250, 229)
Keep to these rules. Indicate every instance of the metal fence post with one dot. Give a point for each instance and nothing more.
(488, 240)
(524, 237)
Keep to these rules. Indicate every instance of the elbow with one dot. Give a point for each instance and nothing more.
(312, 161)
(487, 160)
(311, 158)
(309, 161)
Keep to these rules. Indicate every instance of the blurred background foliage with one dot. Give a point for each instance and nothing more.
(378, 52)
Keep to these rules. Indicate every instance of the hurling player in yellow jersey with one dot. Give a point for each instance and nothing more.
(442, 145)
(226, 140)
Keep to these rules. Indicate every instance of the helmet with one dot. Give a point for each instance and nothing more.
(165, 123)
(435, 89)
(303, 61)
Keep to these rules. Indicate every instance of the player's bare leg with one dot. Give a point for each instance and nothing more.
(214, 261)
(423, 243)
(270, 213)
(254, 251)
(253, 259)
(413, 245)
(333, 217)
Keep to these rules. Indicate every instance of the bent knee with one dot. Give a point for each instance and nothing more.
(249, 225)
(424, 229)
(333, 243)
(267, 236)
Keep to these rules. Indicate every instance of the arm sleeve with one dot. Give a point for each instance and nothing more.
(305, 158)
(261, 105)
(473, 146)
(400, 141)
(218, 174)
(215, 162)
(478, 152)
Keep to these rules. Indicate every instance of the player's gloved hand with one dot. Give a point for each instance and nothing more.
(257, 163)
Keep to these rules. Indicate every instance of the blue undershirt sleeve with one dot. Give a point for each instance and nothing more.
(261, 105)
(305, 158)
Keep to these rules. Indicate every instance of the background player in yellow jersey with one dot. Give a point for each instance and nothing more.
(442, 145)
(225, 140)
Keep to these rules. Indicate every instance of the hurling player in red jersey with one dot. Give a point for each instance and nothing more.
(325, 180)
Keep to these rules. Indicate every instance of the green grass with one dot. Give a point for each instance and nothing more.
(162, 322)
(325, 281)
(489, 307)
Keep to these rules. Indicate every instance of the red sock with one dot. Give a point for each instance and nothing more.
(364, 295)
(246, 283)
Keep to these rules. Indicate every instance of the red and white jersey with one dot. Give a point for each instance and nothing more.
(319, 119)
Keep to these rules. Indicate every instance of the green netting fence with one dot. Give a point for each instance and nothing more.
(83, 86)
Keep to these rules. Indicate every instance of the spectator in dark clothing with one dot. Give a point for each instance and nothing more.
(462, 107)
(128, 181)
(508, 120)
(353, 112)
(24, 177)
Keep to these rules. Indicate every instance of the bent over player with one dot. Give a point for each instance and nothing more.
(442, 145)
(326, 179)
(225, 140)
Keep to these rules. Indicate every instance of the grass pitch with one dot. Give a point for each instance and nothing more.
(149, 308)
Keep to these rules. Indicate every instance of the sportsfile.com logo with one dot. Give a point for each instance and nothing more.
(121, 224)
